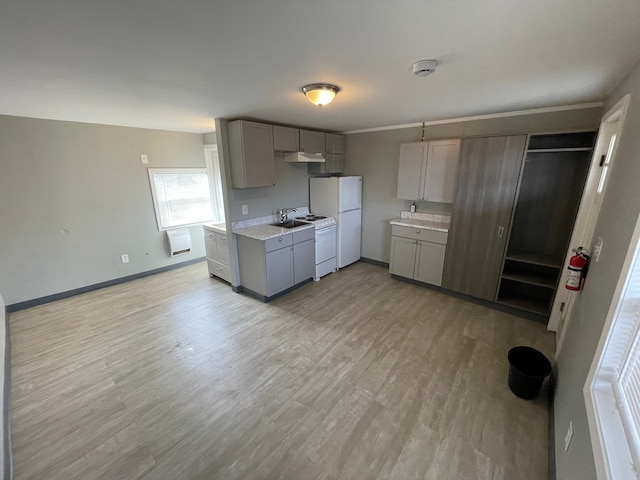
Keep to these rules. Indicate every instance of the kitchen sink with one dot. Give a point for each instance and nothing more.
(290, 224)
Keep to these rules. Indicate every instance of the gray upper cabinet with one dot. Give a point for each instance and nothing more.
(251, 154)
(312, 142)
(289, 139)
(334, 156)
(335, 143)
(285, 139)
(484, 200)
(428, 170)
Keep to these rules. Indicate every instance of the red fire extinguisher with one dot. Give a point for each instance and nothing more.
(578, 265)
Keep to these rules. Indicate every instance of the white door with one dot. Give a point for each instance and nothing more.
(349, 227)
(350, 193)
(603, 157)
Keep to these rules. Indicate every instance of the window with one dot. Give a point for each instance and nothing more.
(181, 196)
(215, 182)
(606, 162)
(612, 391)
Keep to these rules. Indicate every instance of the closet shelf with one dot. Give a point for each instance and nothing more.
(534, 259)
(532, 278)
(552, 150)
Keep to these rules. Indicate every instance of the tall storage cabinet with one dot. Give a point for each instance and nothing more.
(487, 181)
(555, 170)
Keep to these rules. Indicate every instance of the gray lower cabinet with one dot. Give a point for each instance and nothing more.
(217, 253)
(303, 268)
(279, 270)
(488, 176)
(418, 254)
(268, 267)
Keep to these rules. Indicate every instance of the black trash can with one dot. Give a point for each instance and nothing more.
(527, 370)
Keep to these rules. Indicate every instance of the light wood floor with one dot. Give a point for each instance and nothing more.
(357, 376)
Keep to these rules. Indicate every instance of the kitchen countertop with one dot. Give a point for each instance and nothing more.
(219, 227)
(423, 224)
(425, 221)
(265, 231)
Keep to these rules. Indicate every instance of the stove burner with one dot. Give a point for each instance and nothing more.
(313, 217)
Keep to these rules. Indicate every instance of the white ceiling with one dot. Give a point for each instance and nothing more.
(177, 65)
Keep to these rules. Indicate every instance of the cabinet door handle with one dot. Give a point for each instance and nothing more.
(500, 232)
(418, 231)
(280, 239)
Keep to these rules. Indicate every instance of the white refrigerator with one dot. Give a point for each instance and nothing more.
(341, 198)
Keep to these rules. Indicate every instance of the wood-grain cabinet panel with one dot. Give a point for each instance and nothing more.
(488, 175)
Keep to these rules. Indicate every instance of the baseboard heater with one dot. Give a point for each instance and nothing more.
(179, 241)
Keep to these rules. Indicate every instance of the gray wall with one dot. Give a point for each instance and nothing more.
(74, 196)
(209, 138)
(3, 336)
(374, 155)
(620, 209)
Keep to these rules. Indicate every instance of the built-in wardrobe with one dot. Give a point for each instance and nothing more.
(512, 217)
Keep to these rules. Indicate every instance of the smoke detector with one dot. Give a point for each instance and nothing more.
(422, 68)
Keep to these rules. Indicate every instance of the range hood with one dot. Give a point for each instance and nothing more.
(302, 157)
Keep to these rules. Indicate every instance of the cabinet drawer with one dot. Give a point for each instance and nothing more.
(304, 235)
(277, 242)
(420, 234)
(219, 270)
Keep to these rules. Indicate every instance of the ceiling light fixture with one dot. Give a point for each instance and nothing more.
(422, 68)
(320, 93)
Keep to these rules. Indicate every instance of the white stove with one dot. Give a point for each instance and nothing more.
(325, 242)
(319, 221)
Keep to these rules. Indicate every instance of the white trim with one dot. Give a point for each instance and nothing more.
(599, 403)
(487, 116)
(583, 229)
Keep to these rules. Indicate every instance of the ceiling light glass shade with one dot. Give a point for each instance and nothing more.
(320, 93)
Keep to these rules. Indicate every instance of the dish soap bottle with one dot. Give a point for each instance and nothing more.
(413, 207)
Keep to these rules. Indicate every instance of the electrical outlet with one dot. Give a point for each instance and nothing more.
(144, 158)
(245, 209)
(568, 437)
(124, 258)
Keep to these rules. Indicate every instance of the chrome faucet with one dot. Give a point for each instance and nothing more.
(284, 212)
